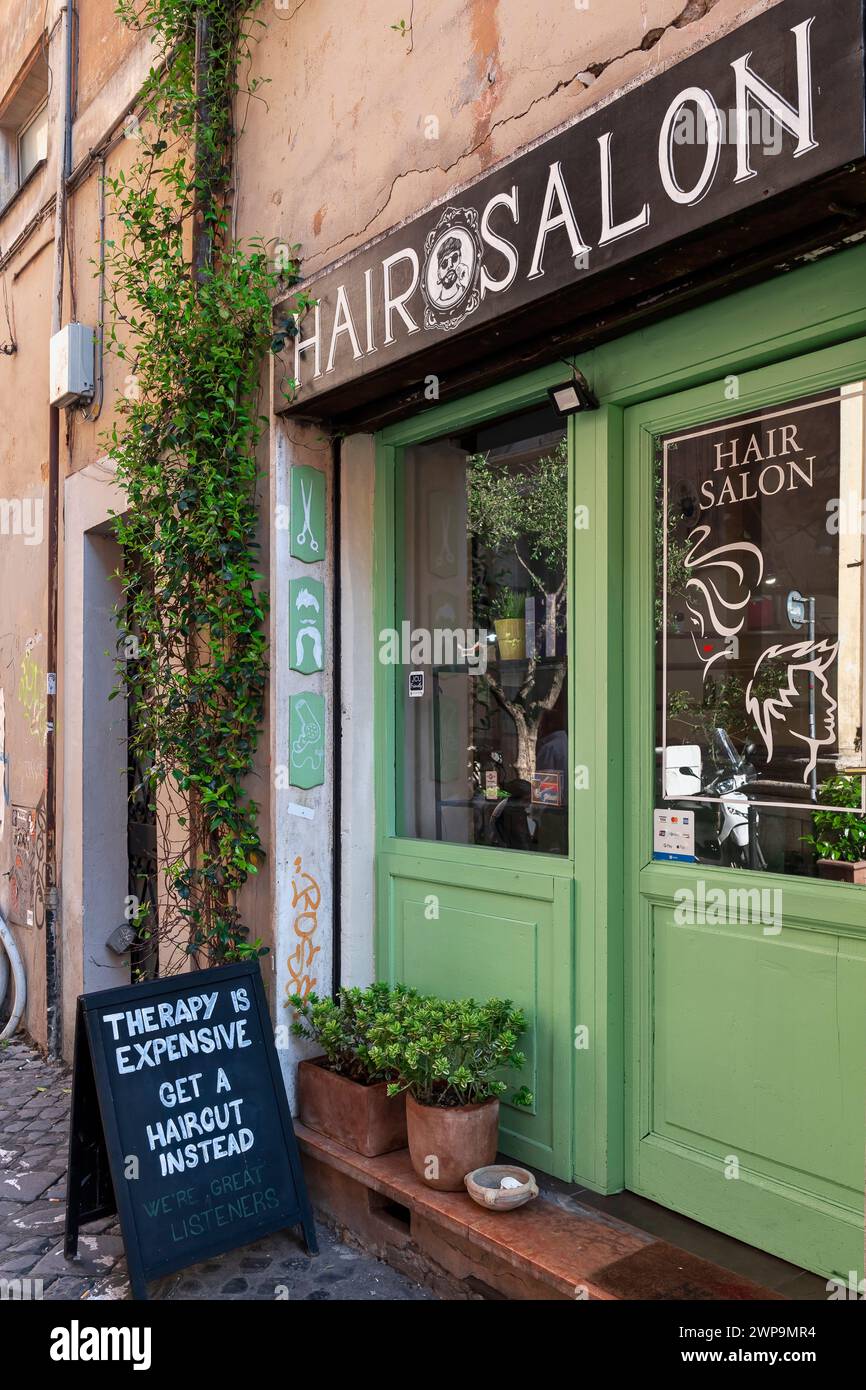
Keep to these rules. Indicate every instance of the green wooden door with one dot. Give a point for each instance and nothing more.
(746, 1021)
(497, 933)
(476, 890)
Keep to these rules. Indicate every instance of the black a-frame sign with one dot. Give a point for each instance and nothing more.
(180, 1122)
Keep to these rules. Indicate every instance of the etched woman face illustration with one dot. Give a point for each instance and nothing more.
(719, 589)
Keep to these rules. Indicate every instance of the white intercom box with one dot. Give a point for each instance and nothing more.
(71, 366)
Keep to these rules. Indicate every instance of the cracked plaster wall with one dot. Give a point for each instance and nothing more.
(364, 125)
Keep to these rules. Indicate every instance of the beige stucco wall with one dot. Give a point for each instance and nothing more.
(363, 127)
(355, 128)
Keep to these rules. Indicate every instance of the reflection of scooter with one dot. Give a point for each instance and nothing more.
(508, 825)
(733, 833)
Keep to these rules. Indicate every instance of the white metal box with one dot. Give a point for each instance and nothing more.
(71, 365)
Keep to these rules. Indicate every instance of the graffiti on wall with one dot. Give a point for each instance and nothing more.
(306, 895)
(32, 689)
(27, 875)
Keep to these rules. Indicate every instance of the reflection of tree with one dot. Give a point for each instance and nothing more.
(677, 574)
(722, 705)
(523, 512)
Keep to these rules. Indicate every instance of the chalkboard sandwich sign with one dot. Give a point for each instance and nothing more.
(180, 1123)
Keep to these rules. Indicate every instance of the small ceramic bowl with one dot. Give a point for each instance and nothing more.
(484, 1186)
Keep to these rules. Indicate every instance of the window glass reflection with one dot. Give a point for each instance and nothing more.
(481, 599)
(760, 635)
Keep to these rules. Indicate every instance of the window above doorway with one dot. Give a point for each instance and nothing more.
(24, 126)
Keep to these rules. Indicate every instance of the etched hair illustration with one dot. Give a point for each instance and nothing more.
(715, 613)
(809, 660)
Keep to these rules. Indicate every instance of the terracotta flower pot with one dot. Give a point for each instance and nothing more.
(362, 1118)
(446, 1143)
(843, 871)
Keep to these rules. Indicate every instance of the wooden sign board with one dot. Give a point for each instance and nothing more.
(180, 1122)
(561, 230)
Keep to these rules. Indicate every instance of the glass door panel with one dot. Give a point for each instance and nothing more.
(760, 635)
(481, 637)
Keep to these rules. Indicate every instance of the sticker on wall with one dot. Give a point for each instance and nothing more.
(416, 685)
(306, 625)
(307, 740)
(674, 835)
(307, 514)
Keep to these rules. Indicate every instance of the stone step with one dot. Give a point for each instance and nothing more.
(540, 1251)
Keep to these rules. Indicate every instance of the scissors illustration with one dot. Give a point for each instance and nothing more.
(306, 534)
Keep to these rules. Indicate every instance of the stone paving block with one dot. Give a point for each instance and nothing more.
(65, 1288)
(26, 1187)
(43, 1160)
(15, 1264)
(97, 1255)
(111, 1290)
(29, 1246)
(237, 1285)
(47, 1229)
(94, 1228)
(251, 1263)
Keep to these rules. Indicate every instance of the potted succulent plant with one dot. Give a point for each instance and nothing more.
(510, 624)
(448, 1055)
(344, 1093)
(840, 836)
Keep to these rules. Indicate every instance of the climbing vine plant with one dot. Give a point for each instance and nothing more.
(189, 313)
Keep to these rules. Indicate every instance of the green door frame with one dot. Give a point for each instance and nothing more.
(760, 328)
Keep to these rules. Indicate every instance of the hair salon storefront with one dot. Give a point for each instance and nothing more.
(617, 681)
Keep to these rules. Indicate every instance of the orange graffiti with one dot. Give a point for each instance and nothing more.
(309, 896)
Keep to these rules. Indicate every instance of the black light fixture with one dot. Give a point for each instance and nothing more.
(573, 395)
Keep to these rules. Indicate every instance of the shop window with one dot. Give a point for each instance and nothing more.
(760, 637)
(24, 126)
(482, 640)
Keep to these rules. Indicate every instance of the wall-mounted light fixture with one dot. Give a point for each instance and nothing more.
(573, 395)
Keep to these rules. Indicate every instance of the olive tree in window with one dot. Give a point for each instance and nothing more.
(522, 512)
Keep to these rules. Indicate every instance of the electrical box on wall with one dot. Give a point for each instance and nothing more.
(71, 368)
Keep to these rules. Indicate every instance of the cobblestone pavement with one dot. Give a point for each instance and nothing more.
(34, 1117)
